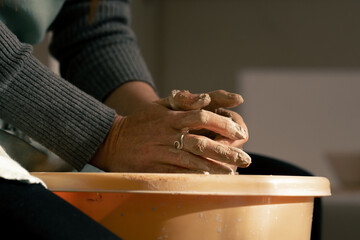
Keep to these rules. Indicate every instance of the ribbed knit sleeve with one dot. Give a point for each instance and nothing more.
(46, 107)
(99, 55)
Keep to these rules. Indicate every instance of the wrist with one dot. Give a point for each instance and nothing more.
(101, 158)
(131, 97)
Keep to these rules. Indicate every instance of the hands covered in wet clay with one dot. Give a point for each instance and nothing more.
(216, 101)
(144, 141)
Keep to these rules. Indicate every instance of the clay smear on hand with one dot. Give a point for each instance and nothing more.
(234, 155)
(184, 100)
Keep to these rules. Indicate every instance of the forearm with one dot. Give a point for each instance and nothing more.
(131, 97)
(48, 108)
(100, 56)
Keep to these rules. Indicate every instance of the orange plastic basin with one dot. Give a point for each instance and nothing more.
(193, 207)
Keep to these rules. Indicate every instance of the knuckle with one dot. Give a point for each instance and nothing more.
(199, 145)
(222, 92)
(203, 116)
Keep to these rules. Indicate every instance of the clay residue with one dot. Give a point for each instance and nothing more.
(204, 117)
(237, 131)
(223, 150)
(200, 145)
(235, 155)
(244, 158)
(184, 100)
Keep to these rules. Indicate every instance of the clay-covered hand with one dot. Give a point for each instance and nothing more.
(184, 100)
(144, 142)
(216, 101)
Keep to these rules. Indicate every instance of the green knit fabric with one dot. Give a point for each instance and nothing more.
(29, 19)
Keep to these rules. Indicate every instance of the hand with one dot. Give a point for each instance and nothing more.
(184, 100)
(217, 102)
(144, 142)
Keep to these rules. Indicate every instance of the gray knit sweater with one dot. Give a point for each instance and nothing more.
(67, 116)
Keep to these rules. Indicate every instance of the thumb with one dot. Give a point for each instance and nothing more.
(184, 100)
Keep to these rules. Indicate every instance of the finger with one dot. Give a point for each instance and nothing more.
(230, 114)
(223, 99)
(236, 118)
(208, 148)
(202, 119)
(229, 142)
(193, 162)
(184, 100)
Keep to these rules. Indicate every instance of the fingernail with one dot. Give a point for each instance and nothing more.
(240, 132)
(237, 96)
(243, 158)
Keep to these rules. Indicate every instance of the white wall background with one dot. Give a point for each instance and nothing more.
(302, 116)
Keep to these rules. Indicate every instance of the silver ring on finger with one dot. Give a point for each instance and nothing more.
(180, 144)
